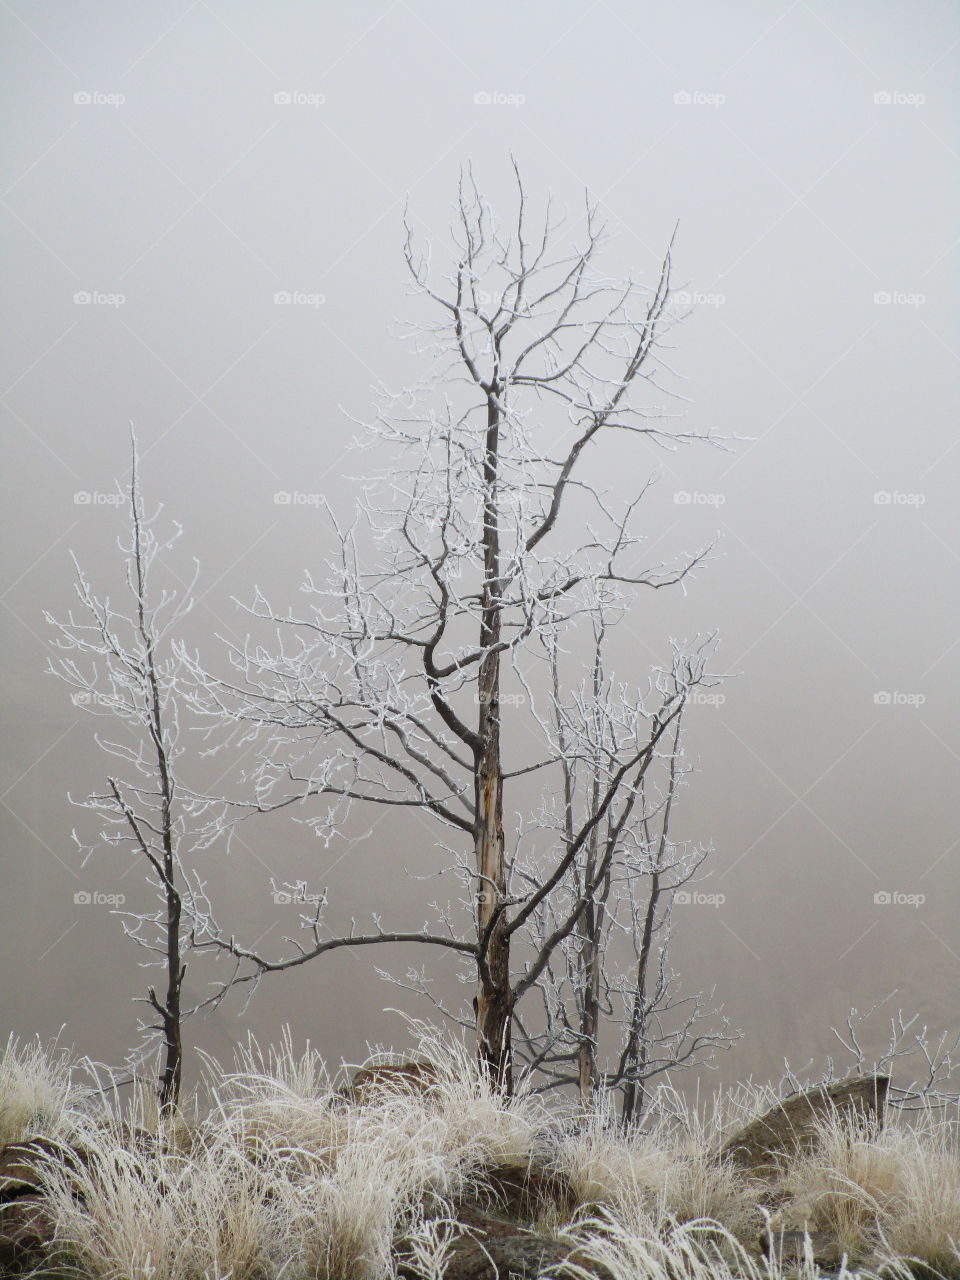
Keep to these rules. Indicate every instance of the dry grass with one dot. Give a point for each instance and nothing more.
(896, 1192)
(662, 1174)
(287, 1178)
(36, 1089)
(701, 1250)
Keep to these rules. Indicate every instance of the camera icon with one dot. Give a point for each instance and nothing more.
(281, 299)
(882, 498)
(82, 898)
(882, 899)
(281, 499)
(682, 498)
(882, 99)
(81, 499)
(82, 299)
(682, 98)
(882, 698)
(882, 299)
(282, 99)
(281, 898)
(683, 897)
(82, 98)
(482, 99)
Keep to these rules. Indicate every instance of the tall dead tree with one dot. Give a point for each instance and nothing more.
(488, 531)
(121, 665)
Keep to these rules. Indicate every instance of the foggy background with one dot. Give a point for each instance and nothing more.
(168, 169)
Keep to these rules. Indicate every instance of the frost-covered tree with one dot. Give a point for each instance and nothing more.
(610, 1015)
(489, 531)
(121, 662)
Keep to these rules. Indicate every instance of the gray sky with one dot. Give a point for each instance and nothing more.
(809, 152)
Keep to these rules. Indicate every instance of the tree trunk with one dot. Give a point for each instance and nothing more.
(494, 999)
(589, 1021)
(168, 1090)
(172, 1074)
(590, 965)
(634, 1090)
(591, 958)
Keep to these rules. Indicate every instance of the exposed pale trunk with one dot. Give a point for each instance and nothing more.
(494, 1002)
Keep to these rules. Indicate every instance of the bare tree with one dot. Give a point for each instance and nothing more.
(924, 1067)
(488, 532)
(121, 664)
(623, 883)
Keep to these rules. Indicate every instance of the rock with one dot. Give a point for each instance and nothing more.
(791, 1246)
(493, 1249)
(27, 1226)
(496, 1218)
(22, 1166)
(25, 1166)
(407, 1077)
(760, 1147)
(521, 1192)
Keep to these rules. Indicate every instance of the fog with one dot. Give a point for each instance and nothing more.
(170, 169)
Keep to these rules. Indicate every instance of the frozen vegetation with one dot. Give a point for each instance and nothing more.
(270, 1170)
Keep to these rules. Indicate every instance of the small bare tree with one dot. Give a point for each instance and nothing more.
(623, 884)
(122, 665)
(489, 531)
(924, 1067)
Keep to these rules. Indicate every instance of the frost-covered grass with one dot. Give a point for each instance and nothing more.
(35, 1090)
(285, 1177)
(664, 1172)
(896, 1192)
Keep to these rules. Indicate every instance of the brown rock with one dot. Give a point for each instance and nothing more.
(407, 1077)
(791, 1246)
(759, 1149)
(521, 1192)
(22, 1166)
(26, 1166)
(493, 1249)
(26, 1227)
